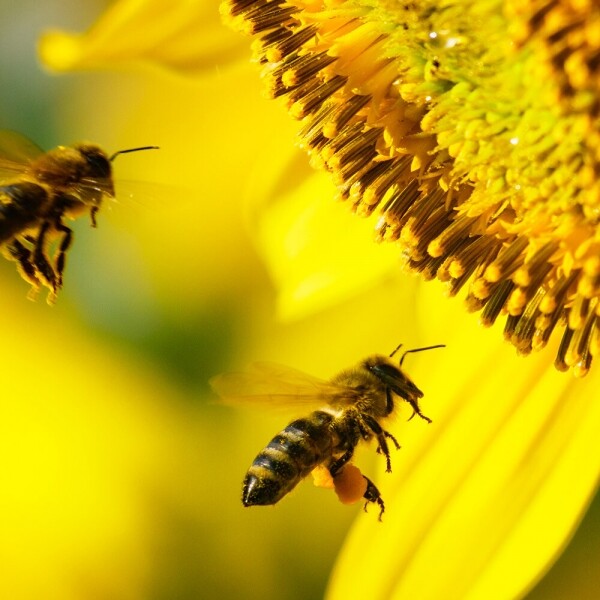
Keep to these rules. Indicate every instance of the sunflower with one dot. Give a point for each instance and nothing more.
(426, 114)
(467, 132)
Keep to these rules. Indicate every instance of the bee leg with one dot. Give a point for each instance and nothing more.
(389, 400)
(372, 495)
(41, 262)
(336, 466)
(62, 250)
(391, 437)
(93, 214)
(22, 256)
(381, 435)
(390, 407)
(352, 440)
(416, 410)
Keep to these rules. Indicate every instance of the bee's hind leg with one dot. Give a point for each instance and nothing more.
(372, 495)
(22, 256)
(337, 465)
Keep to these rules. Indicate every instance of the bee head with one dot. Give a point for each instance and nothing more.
(95, 169)
(82, 171)
(396, 380)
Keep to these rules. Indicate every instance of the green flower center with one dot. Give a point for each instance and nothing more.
(478, 148)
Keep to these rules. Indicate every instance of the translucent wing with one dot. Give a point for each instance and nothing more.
(16, 151)
(271, 383)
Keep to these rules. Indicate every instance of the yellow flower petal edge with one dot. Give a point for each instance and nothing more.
(183, 36)
(317, 253)
(471, 130)
(483, 502)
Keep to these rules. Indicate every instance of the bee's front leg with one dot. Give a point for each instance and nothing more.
(93, 214)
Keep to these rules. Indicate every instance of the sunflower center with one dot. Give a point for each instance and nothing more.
(479, 151)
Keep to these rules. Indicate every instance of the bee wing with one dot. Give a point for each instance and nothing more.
(16, 147)
(271, 383)
(16, 152)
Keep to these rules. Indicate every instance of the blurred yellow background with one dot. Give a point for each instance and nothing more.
(121, 474)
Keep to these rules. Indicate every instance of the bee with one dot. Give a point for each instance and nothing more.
(353, 406)
(38, 190)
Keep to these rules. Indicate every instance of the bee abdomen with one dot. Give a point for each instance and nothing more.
(289, 457)
(20, 207)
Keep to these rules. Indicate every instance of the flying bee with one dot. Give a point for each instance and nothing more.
(353, 405)
(38, 190)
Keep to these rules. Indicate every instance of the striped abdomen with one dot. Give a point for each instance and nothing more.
(289, 457)
(21, 207)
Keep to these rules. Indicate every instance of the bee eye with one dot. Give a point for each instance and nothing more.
(97, 161)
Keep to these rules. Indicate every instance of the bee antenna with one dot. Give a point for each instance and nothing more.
(417, 350)
(132, 150)
(396, 350)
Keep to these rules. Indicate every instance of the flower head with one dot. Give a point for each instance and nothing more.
(479, 150)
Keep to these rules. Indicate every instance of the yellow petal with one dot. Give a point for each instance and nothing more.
(184, 35)
(317, 252)
(481, 502)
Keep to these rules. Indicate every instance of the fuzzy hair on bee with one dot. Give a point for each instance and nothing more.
(350, 408)
(38, 191)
